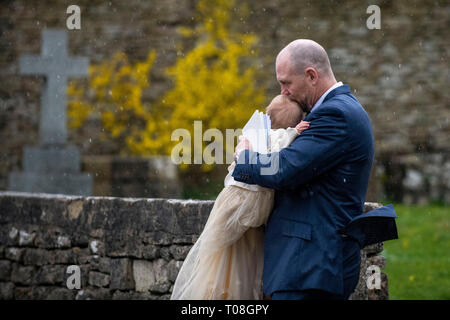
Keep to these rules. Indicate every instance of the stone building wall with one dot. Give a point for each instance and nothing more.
(399, 73)
(140, 177)
(126, 248)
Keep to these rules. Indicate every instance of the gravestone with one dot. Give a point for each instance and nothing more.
(54, 166)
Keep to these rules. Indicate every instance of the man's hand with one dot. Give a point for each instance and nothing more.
(243, 144)
(302, 126)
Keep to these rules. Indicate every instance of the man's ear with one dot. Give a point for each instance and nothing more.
(311, 75)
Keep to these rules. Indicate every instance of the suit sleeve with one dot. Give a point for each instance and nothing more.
(319, 148)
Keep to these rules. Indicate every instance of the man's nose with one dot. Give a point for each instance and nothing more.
(284, 91)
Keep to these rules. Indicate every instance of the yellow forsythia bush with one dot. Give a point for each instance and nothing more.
(114, 93)
(210, 84)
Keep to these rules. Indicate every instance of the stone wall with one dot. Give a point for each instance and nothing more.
(126, 248)
(140, 177)
(397, 72)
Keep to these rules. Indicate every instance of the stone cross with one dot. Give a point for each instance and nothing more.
(54, 166)
(57, 67)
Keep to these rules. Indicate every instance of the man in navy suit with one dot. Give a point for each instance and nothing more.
(320, 180)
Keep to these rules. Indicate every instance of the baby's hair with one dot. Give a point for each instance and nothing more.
(284, 112)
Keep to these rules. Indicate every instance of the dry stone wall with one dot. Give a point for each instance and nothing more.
(126, 248)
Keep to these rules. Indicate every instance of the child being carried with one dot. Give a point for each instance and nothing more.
(226, 261)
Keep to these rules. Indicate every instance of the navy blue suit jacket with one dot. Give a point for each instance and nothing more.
(320, 186)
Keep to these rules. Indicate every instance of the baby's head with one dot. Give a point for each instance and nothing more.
(284, 112)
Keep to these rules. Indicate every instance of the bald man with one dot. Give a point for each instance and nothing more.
(314, 234)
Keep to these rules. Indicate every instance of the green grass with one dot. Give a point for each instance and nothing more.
(418, 263)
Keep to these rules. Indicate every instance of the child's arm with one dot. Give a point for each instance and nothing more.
(282, 138)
